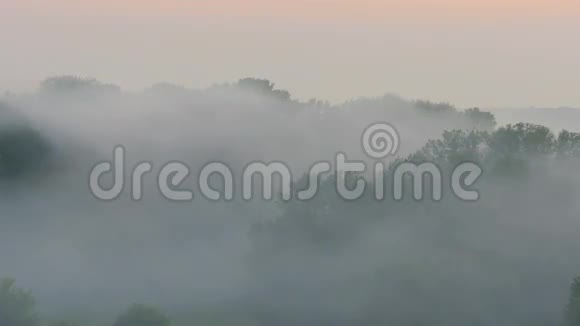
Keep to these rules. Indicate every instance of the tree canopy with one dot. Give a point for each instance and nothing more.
(16, 305)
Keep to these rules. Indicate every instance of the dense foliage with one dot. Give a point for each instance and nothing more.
(16, 305)
(142, 315)
(501, 260)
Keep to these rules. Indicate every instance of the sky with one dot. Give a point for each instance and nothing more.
(509, 53)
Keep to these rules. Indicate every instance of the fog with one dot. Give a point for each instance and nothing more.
(555, 118)
(506, 259)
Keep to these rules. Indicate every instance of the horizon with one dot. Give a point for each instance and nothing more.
(36, 87)
(485, 54)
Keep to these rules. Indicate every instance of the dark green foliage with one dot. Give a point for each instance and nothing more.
(438, 108)
(73, 84)
(568, 144)
(508, 152)
(514, 148)
(455, 146)
(523, 138)
(263, 87)
(309, 234)
(572, 314)
(16, 305)
(142, 315)
(22, 150)
(481, 120)
(64, 323)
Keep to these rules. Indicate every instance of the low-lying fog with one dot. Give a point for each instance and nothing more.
(507, 259)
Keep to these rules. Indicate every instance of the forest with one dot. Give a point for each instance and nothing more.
(68, 259)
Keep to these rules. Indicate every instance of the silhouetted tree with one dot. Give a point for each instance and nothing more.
(22, 150)
(481, 120)
(264, 87)
(16, 305)
(572, 314)
(454, 147)
(431, 107)
(73, 84)
(63, 323)
(523, 138)
(142, 315)
(568, 144)
(513, 147)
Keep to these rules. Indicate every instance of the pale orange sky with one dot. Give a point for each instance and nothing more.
(472, 53)
(307, 9)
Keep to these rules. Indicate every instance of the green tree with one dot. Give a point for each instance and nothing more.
(572, 315)
(437, 108)
(513, 148)
(568, 144)
(481, 120)
(73, 84)
(142, 315)
(263, 87)
(454, 147)
(523, 138)
(22, 150)
(16, 305)
(63, 323)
